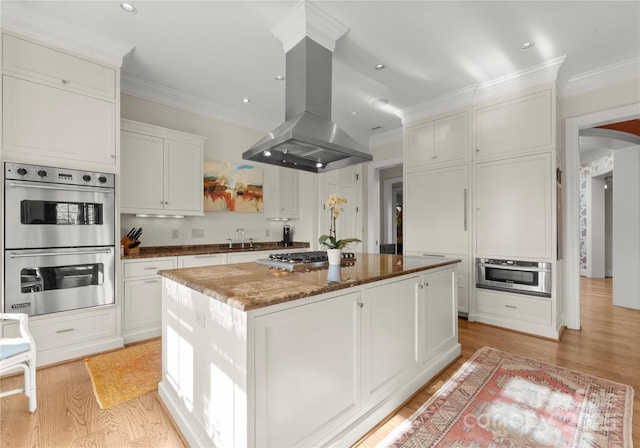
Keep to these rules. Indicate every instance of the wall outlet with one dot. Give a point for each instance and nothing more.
(175, 234)
(197, 233)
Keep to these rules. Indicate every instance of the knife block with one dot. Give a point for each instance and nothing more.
(126, 242)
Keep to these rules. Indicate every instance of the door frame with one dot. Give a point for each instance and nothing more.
(571, 244)
(373, 198)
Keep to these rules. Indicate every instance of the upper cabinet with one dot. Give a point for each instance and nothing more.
(515, 125)
(282, 198)
(57, 105)
(436, 142)
(161, 170)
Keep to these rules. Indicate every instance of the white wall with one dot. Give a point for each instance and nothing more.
(227, 142)
(626, 228)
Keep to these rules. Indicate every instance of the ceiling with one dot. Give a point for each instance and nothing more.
(215, 53)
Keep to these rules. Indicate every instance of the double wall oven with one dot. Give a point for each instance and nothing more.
(59, 239)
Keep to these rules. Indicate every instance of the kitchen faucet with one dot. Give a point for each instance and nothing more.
(242, 241)
(230, 243)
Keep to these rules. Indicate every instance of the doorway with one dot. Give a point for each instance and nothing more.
(385, 193)
(571, 243)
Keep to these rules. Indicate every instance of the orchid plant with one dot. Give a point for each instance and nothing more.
(331, 241)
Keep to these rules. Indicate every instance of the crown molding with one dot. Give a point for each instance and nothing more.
(442, 104)
(384, 138)
(19, 18)
(539, 74)
(140, 88)
(307, 19)
(602, 77)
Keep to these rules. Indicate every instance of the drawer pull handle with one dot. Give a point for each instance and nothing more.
(511, 306)
(66, 330)
(152, 281)
(150, 269)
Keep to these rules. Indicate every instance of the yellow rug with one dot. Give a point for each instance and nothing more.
(125, 374)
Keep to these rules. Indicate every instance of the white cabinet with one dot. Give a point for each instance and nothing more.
(345, 183)
(57, 106)
(443, 140)
(514, 216)
(436, 205)
(282, 193)
(161, 170)
(306, 355)
(192, 261)
(389, 337)
(63, 336)
(142, 307)
(515, 125)
(438, 312)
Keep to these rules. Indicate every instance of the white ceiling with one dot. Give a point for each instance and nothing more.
(218, 52)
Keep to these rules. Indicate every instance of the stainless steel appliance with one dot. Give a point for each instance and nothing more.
(301, 261)
(522, 277)
(286, 235)
(59, 239)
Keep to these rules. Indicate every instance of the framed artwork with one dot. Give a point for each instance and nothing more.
(232, 187)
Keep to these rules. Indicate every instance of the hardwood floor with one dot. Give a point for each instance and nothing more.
(68, 415)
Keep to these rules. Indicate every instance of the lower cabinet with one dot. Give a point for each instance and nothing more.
(307, 354)
(389, 336)
(63, 336)
(192, 261)
(142, 298)
(438, 313)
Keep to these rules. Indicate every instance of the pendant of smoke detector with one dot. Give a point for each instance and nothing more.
(308, 140)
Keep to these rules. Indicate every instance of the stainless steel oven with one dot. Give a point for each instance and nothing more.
(59, 239)
(523, 277)
(42, 281)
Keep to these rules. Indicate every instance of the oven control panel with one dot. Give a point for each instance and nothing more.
(37, 173)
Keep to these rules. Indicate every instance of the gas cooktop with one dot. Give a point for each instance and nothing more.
(296, 261)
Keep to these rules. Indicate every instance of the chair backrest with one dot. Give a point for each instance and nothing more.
(9, 344)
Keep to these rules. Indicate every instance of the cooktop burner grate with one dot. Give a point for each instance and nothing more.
(301, 260)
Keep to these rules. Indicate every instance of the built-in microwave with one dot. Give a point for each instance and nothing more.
(523, 277)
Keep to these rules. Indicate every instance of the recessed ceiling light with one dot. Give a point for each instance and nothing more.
(246, 100)
(354, 113)
(379, 67)
(128, 7)
(380, 102)
(527, 45)
(279, 78)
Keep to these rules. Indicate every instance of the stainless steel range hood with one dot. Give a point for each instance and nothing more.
(308, 140)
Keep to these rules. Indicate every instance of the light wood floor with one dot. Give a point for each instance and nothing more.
(68, 416)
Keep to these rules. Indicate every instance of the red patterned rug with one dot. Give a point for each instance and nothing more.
(498, 399)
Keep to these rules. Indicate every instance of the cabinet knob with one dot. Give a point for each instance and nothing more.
(361, 305)
(64, 81)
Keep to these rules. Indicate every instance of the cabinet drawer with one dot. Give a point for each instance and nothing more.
(72, 329)
(58, 68)
(519, 307)
(147, 267)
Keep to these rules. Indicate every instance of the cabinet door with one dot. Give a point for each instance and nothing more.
(45, 121)
(141, 170)
(142, 304)
(343, 182)
(192, 261)
(183, 188)
(307, 370)
(438, 313)
(389, 337)
(289, 193)
(451, 138)
(524, 123)
(436, 211)
(419, 146)
(513, 208)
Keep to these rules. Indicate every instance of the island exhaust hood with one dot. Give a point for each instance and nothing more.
(308, 140)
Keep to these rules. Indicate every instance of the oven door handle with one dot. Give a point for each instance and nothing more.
(513, 268)
(62, 187)
(51, 254)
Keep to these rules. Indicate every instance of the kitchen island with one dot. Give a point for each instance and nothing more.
(256, 356)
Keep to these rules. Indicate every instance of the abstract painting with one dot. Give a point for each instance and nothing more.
(232, 187)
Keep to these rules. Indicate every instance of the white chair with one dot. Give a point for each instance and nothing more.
(20, 353)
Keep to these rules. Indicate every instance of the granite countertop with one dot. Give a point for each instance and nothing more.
(249, 286)
(172, 251)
